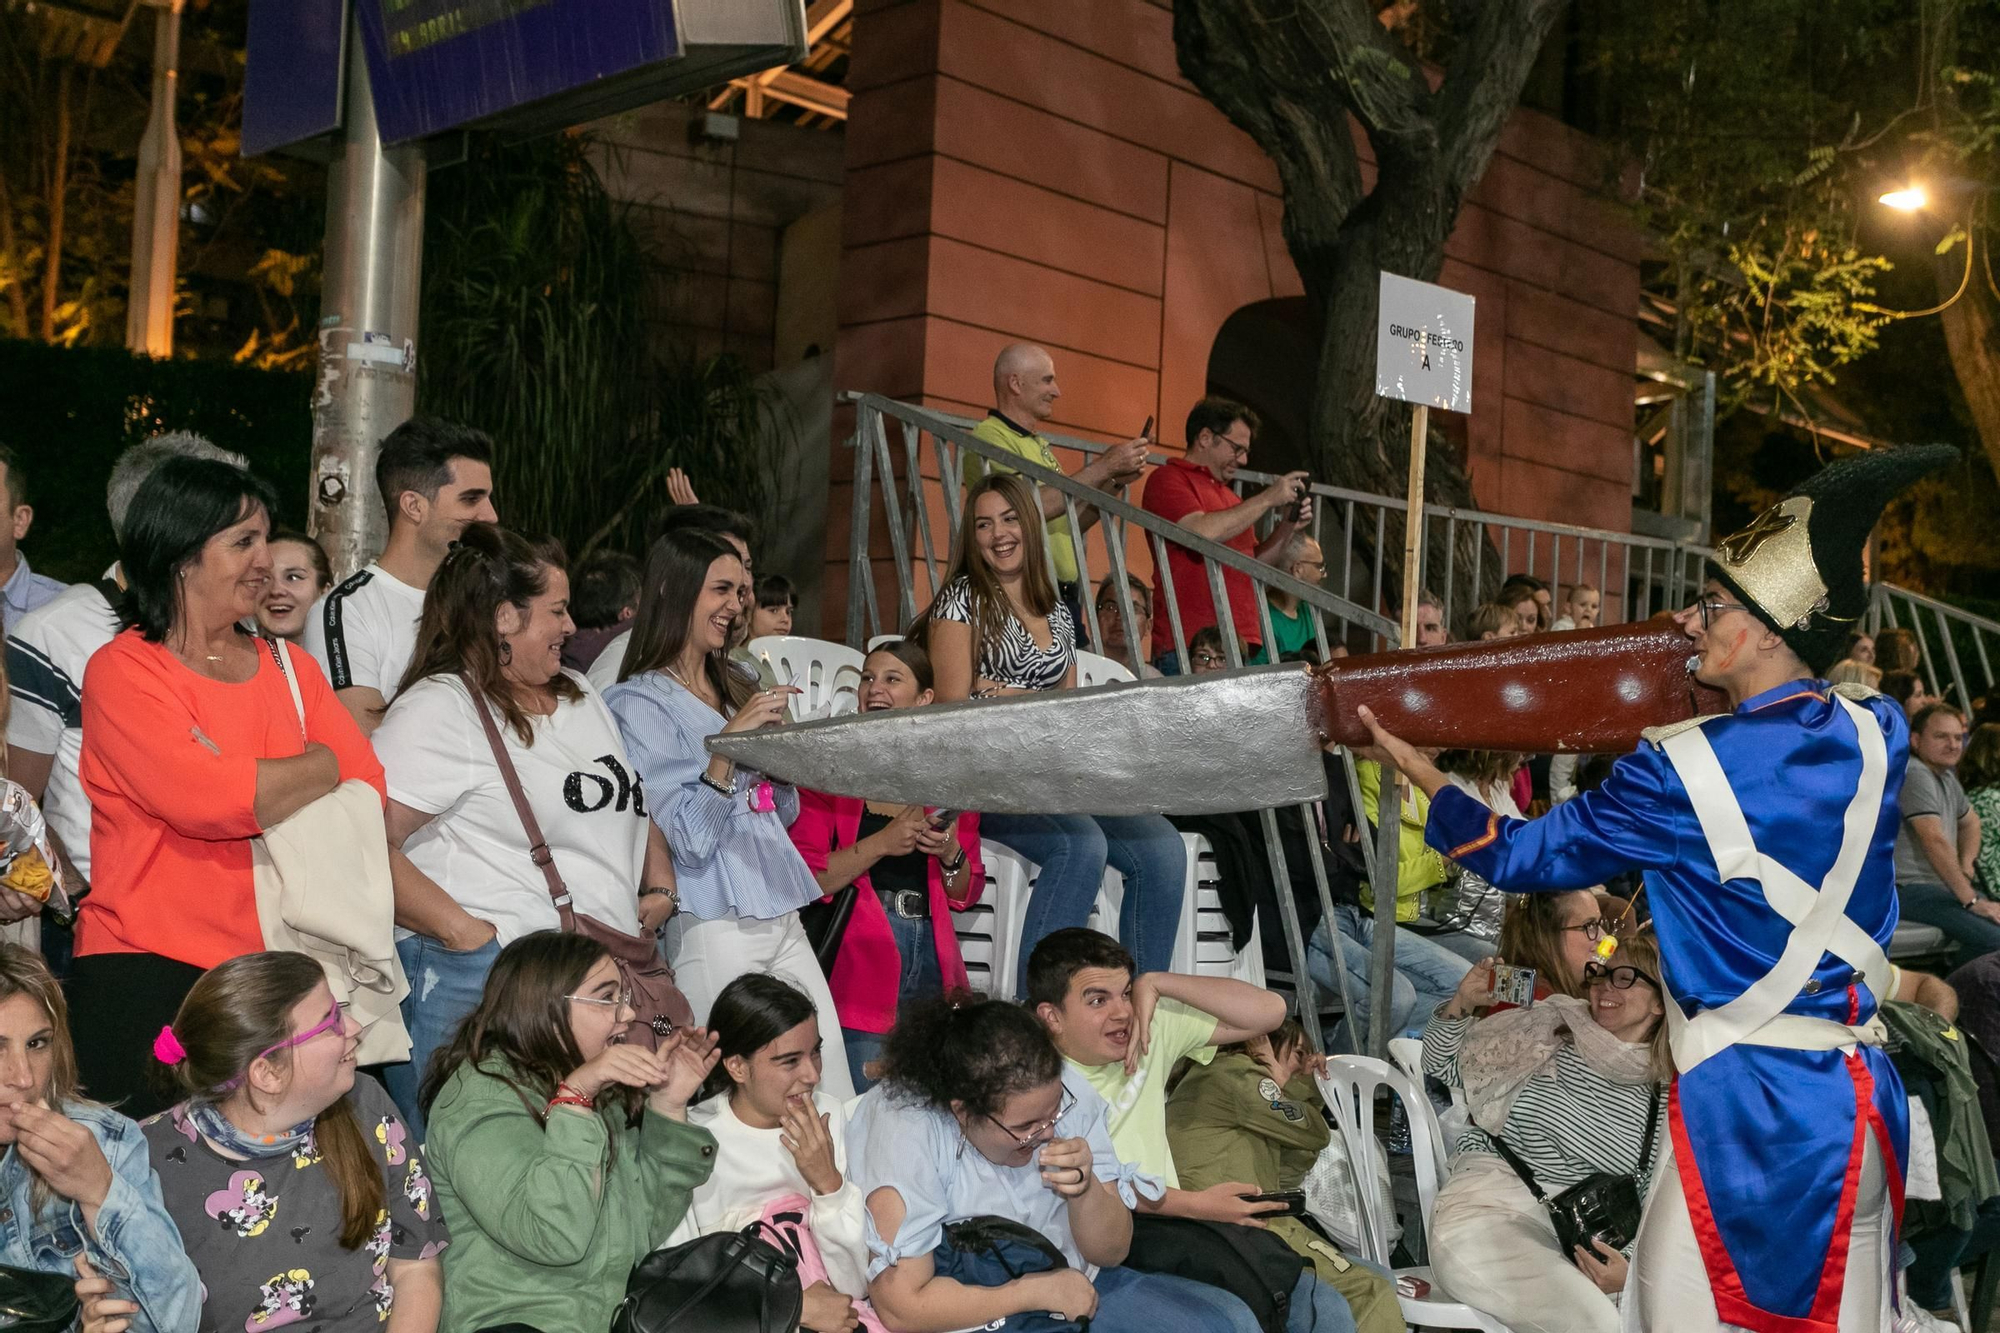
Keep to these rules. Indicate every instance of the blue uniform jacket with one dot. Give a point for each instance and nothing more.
(1768, 1141)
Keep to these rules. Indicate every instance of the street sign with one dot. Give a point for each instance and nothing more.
(1423, 344)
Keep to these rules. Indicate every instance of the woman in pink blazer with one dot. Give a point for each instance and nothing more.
(911, 868)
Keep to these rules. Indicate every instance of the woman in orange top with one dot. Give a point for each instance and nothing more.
(191, 747)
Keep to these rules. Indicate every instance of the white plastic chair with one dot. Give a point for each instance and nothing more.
(1408, 1053)
(1202, 940)
(1349, 1088)
(990, 933)
(1096, 669)
(881, 639)
(829, 673)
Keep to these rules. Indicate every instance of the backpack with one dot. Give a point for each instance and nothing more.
(993, 1251)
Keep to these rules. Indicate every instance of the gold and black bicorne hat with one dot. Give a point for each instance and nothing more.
(1799, 568)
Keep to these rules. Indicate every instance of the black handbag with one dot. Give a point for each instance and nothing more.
(728, 1282)
(35, 1302)
(1257, 1267)
(1604, 1204)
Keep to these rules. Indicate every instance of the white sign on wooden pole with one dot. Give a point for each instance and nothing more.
(1423, 344)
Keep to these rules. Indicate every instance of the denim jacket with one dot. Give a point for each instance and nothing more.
(135, 1243)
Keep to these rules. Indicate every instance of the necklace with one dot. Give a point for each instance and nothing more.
(684, 683)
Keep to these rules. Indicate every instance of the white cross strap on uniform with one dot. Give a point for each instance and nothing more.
(1820, 924)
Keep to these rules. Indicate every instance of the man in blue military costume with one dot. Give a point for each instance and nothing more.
(1767, 837)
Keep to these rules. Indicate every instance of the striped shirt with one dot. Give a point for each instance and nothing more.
(1017, 661)
(1568, 1122)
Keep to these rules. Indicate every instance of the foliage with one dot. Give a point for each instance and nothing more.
(536, 297)
(71, 411)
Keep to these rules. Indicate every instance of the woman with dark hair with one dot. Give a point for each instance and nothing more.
(326, 1215)
(489, 649)
(911, 868)
(780, 1144)
(81, 1198)
(1906, 688)
(197, 737)
(1571, 1086)
(742, 882)
(997, 627)
(977, 1115)
(562, 1155)
(300, 574)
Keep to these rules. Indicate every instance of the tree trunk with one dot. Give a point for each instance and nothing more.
(58, 195)
(1972, 336)
(1297, 76)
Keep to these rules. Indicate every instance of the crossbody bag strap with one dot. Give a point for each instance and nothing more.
(538, 846)
(1652, 1124)
(1521, 1168)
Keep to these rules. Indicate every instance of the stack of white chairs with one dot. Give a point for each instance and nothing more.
(1096, 669)
(1350, 1088)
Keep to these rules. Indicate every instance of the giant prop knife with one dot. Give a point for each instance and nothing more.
(1244, 739)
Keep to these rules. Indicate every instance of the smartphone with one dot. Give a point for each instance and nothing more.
(1514, 985)
(1296, 509)
(1146, 431)
(944, 819)
(1294, 1201)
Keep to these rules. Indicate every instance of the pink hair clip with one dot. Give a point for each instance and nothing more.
(167, 1048)
(762, 798)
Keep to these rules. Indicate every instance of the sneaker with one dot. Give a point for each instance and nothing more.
(1916, 1319)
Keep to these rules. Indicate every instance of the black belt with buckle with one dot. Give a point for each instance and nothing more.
(909, 904)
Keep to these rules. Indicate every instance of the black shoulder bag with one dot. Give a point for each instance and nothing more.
(1604, 1204)
(724, 1282)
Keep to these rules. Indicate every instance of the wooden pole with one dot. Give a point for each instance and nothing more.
(1391, 795)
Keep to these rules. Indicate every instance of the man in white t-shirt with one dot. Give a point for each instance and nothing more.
(435, 477)
(47, 650)
(733, 528)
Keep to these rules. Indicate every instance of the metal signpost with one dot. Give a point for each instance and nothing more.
(366, 83)
(1423, 355)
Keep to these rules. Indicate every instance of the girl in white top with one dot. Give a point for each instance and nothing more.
(465, 880)
(778, 1136)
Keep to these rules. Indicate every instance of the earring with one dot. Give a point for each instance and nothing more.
(506, 652)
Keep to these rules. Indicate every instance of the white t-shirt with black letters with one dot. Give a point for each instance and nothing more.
(364, 632)
(585, 794)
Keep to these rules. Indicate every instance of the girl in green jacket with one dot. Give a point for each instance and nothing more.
(561, 1156)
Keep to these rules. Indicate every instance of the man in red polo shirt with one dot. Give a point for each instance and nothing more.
(1194, 491)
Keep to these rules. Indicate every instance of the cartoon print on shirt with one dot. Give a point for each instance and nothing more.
(243, 1206)
(389, 1132)
(417, 1189)
(284, 1299)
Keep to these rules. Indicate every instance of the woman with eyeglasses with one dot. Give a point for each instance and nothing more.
(997, 627)
(1557, 934)
(978, 1116)
(1571, 1086)
(300, 1193)
(562, 1155)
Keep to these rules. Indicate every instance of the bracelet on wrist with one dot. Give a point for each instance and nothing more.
(727, 788)
(672, 895)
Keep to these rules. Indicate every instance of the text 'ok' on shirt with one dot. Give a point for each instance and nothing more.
(585, 794)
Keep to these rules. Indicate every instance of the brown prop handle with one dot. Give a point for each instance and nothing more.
(1588, 690)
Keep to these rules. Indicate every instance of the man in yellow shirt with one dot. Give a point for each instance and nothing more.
(1024, 396)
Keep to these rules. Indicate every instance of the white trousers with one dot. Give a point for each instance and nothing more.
(708, 955)
(1669, 1291)
(1494, 1248)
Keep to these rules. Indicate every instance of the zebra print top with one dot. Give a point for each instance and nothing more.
(1017, 662)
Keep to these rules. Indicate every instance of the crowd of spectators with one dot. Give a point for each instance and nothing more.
(530, 739)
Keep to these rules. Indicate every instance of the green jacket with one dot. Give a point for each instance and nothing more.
(542, 1232)
(1223, 1127)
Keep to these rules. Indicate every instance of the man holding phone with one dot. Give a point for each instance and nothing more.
(1024, 396)
(1195, 492)
(1125, 1033)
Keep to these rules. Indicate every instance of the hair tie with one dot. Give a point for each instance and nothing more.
(167, 1048)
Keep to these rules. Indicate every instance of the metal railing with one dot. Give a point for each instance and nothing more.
(919, 484)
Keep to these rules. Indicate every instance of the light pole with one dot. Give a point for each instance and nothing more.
(156, 203)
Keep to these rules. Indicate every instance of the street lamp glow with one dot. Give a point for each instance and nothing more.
(1906, 200)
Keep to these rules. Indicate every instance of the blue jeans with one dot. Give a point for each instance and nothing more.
(1426, 973)
(1935, 905)
(921, 976)
(1072, 851)
(445, 986)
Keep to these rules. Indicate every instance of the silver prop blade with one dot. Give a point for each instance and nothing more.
(1237, 740)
